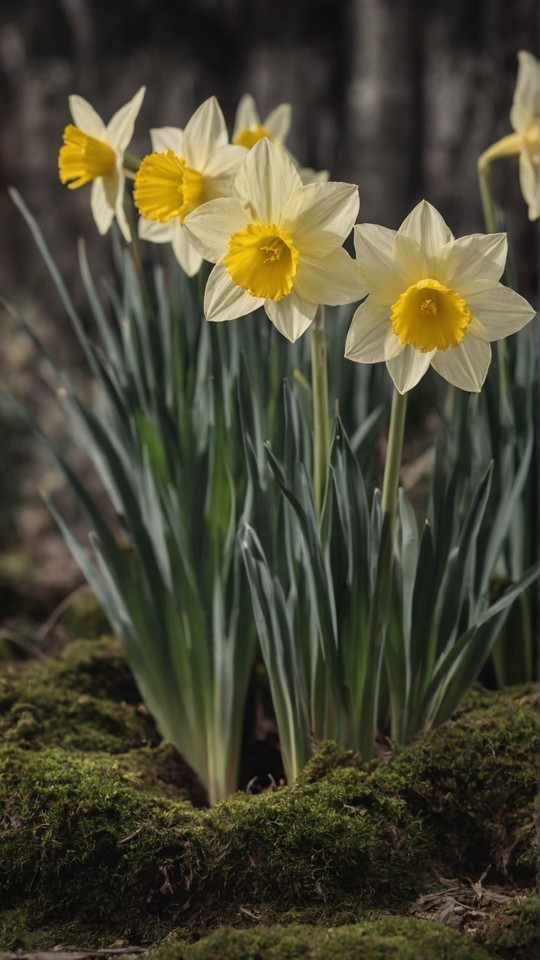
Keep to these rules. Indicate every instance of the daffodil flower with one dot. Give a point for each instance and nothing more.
(93, 152)
(525, 141)
(249, 129)
(433, 300)
(186, 169)
(277, 244)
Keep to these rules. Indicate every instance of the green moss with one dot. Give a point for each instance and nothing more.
(106, 841)
(473, 782)
(515, 932)
(87, 700)
(394, 937)
(84, 617)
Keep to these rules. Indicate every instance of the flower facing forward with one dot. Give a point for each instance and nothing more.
(277, 244)
(525, 141)
(187, 168)
(93, 152)
(249, 129)
(433, 300)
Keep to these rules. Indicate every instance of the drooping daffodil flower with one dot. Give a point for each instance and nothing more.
(249, 129)
(433, 300)
(94, 152)
(277, 243)
(187, 168)
(525, 141)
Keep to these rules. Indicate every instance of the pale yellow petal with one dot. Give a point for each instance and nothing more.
(501, 311)
(476, 257)
(425, 225)
(413, 260)
(367, 334)
(466, 365)
(526, 103)
(102, 208)
(85, 117)
(120, 127)
(154, 231)
(246, 114)
(266, 178)
(529, 180)
(167, 138)
(382, 276)
(221, 170)
(224, 299)
(320, 216)
(204, 133)
(291, 315)
(332, 279)
(186, 254)
(212, 224)
(408, 368)
(278, 122)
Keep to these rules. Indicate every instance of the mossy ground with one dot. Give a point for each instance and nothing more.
(389, 937)
(100, 844)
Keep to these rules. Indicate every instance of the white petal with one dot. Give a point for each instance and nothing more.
(381, 275)
(526, 103)
(466, 365)
(167, 138)
(278, 122)
(154, 231)
(476, 257)
(266, 178)
(121, 219)
(500, 310)
(246, 114)
(529, 180)
(120, 127)
(224, 299)
(212, 224)
(408, 368)
(413, 260)
(85, 117)
(425, 225)
(369, 328)
(309, 175)
(204, 133)
(187, 255)
(320, 216)
(220, 171)
(291, 315)
(333, 279)
(102, 208)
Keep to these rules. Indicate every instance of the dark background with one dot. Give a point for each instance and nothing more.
(399, 96)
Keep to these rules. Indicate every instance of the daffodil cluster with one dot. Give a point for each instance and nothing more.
(275, 234)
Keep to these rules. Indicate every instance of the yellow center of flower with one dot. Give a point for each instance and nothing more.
(249, 136)
(430, 316)
(165, 187)
(262, 259)
(83, 158)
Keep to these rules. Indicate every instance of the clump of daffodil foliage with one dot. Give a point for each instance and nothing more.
(108, 842)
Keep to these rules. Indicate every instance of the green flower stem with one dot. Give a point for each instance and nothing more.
(393, 456)
(131, 163)
(321, 420)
